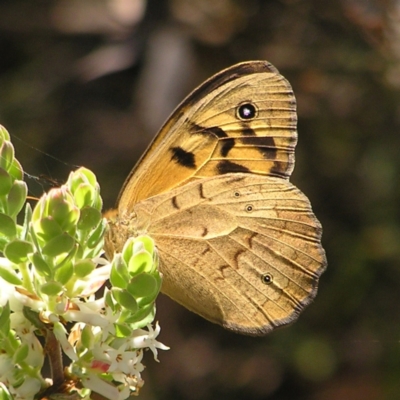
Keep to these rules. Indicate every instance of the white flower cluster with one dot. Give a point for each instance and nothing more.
(92, 344)
(52, 280)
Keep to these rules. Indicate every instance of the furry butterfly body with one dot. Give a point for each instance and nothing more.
(238, 243)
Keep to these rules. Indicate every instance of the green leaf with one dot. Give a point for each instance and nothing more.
(81, 175)
(110, 301)
(127, 250)
(119, 276)
(145, 301)
(3, 243)
(46, 228)
(21, 353)
(18, 378)
(7, 226)
(33, 317)
(147, 242)
(142, 285)
(84, 195)
(89, 175)
(66, 258)
(10, 276)
(64, 273)
(41, 266)
(140, 262)
(4, 393)
(96, 236)
(5, 182)
(27, 220)
(6, 155)
(122, 330)
(62, 208)
(87, 337)
(16, 197)
(5, 319)
(144, 316)
(85, 189)
(125, 299)
(83, 268)
(17, 251)
(16, 171)
(151, 297)
(4, 135)
(63, 243)
(89, 219)
(51, 288)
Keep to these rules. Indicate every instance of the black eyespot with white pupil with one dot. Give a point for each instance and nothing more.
(246, 111)
(266, 279)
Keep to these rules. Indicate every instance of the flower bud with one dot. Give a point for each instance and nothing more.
(84, 187)
(59, 206)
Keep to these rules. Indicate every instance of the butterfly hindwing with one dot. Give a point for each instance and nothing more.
(241, 250)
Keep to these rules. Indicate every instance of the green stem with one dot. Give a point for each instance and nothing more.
(26, 277)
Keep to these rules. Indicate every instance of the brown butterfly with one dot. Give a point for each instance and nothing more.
(238, 243)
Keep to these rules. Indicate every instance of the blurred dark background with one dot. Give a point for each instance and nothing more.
(89, 82)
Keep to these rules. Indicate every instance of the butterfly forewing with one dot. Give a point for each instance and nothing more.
(241, 120)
